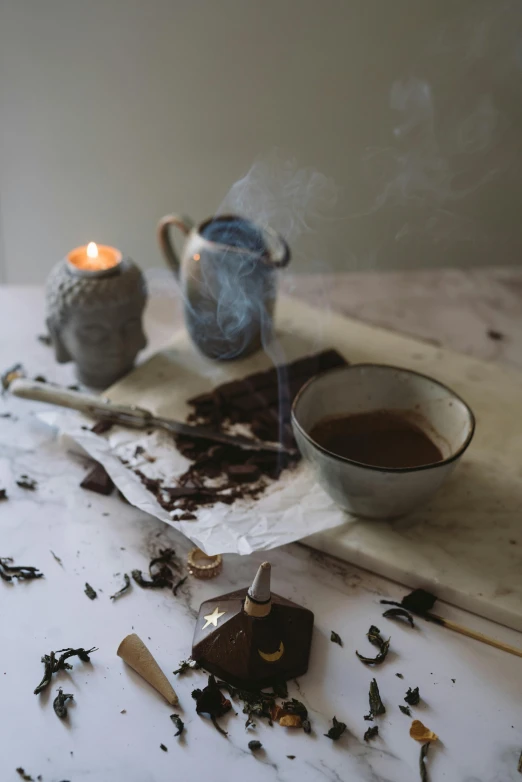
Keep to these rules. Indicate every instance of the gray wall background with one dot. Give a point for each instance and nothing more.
(114, 112)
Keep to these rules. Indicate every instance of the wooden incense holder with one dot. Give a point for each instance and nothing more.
(252, 638)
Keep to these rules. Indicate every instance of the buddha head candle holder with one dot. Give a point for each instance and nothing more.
(94, 305)
(252, 638)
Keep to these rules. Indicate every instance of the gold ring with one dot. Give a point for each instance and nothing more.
(201, 565)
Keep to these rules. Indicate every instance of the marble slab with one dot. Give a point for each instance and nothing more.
(466, 544)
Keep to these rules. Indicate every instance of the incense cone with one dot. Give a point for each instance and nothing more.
(258, 601)
(134, 652)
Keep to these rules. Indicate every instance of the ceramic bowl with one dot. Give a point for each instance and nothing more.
(380, 492)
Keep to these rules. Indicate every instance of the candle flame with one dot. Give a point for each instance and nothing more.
(92, 250)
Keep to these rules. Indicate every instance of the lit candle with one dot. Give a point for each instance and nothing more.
(94, 257)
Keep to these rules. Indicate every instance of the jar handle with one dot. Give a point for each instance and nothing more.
(185, 225)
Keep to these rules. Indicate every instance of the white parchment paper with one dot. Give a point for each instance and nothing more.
(291, 508)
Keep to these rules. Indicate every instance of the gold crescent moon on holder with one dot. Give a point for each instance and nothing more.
(275, 656)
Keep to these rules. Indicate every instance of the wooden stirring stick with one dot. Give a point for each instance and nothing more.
(485, 639)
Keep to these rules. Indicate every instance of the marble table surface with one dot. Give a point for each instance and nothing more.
(471, 693)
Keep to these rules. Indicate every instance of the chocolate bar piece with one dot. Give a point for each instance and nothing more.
(98, 480)
(262, 401)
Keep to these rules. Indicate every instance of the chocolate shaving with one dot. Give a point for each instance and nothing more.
(261, 402)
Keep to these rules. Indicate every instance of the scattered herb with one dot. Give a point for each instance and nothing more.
(254, 746)
(211, 701)
(496, 336)
(196, 694)
(399, 675)
(335, 638)
(336, 731)
(306, 726)
(422, 765)
(375, 638)
(178, 585)
(371, 733)
(57, 558)
(376, 705)
(418, 602)
(52, 663)
(420, 732)
(3, 494)
(160, 571)
(24, 482)
(178, 722)
(8, 571)
(125, 588)
(90, 592)
(405, 710)
(412, 696)
(249, 723)
(399, 613)
(186, 665)
(519, 767)
(453, 680)
(291, 757)
(45, 339)
(26, 777)
(60, 703)
(163, 747)
(11, 374)
(280, 689)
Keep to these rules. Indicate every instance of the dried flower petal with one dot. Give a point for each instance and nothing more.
(420, 732)
(291, 721)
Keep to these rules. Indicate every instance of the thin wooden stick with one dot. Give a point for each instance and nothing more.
(485, 639)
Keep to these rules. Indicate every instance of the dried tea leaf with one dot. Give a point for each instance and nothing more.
(335, 638)
(291, 721)
(376, 705)
(399, 675)
(420, 732)
(336, 731)
(27, 777)
(125, 588)
(399, 613)
(160, 571)
(371, 733)
(163, 747)
(8, 571)
(24, 482)
(178, 584)
(418, 602)
(213, 703)
(188, 665)
(178, 722)
(254, 746)
(375, 638)
(422, 765)
(52, 663)
(412, 697)
(405, 710)
(280, 689)
(60, 703)
(57, 558)
(90, 592)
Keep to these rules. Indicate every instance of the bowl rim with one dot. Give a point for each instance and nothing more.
(374, 467)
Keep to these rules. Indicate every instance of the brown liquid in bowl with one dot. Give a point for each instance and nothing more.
(381, 438)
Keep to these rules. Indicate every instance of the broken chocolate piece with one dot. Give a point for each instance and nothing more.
(98, 480)
(244, 473)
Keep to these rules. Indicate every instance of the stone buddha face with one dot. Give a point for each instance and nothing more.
(98, 326)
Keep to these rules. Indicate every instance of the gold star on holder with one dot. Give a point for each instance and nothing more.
(213, 618)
